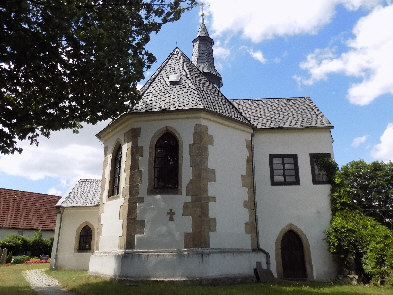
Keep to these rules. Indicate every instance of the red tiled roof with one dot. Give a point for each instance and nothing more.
(27, 210)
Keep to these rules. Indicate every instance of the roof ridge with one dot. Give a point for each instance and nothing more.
(265, 98)
(214, 87)
(159, 70)
(10, 189)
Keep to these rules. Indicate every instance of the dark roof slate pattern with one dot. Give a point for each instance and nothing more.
(27, 210)
(193, 91)
(86, 192)
(295, 112)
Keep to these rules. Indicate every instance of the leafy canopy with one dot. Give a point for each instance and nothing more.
(367, 187)
(360, 232)
(64, 62)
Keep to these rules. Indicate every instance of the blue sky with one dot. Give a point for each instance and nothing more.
(338, 52)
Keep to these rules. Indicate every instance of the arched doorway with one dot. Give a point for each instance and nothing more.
(292, 254)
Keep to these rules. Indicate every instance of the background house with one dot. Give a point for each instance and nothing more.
(24, 213)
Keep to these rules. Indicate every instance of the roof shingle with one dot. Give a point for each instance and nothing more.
(27, 210)
(294, 112)
(192, 91)
(86, 192)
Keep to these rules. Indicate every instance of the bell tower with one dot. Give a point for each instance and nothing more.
(202, 55)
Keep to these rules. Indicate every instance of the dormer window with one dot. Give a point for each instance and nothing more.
(174, 79)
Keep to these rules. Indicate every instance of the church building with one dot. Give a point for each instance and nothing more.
(197, 186)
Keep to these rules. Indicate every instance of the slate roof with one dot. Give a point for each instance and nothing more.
(27, 210)
(86, 192)
(202, 56)
(295, 112)
(192, 91)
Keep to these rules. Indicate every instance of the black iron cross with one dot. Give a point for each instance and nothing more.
(171, 213)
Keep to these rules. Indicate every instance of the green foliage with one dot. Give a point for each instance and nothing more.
(68, 62)
(17, 244)
(20, 259)
(39, 245)
(328, 165)
(368, 187)
(20, 245)
(358, 235)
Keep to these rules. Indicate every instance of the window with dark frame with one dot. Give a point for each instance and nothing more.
(85, 238)
(166, 162)
(318, 174)
(284, 169)
(116, 172)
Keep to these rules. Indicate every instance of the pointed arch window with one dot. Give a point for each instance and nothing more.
(85, 238)
(116, 172)
(166, 162)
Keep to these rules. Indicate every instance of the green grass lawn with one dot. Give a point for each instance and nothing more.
(81, 283)
(12, 281)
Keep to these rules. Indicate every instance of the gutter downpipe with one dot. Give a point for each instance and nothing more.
(267, 254)
(54, 266)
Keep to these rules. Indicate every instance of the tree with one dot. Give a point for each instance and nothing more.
(64, 62)
(368, 187)
(359, 234)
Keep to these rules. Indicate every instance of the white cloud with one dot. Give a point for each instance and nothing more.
(359, 140)
(65, 156)
(260, 20)
(384, 150)
(54, 191)
(221, 52)
(258, 55)
(369, 58)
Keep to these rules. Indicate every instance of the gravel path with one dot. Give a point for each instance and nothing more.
(43, 284)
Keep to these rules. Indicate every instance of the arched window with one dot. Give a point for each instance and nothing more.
(166, 162)
(85, 237)
(116, 172)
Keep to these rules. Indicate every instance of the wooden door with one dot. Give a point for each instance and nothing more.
(292, 254)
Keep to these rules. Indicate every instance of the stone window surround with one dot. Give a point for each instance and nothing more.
(77, 235)
(312, 164)
(306, 249)
(284, 183)
(150, 186)
(116, 146)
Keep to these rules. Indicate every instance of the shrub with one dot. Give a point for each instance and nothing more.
(16, 244)
(21, 245)
(20, 259)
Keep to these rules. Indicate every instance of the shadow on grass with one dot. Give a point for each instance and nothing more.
(147, 288)
(15, 290)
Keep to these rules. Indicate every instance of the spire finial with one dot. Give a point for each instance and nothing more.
(202, 15)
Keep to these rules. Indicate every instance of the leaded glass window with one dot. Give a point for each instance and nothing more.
(166, 162)
(116, 172)
(85, 238)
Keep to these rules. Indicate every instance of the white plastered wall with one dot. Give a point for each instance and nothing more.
(160, 232)
(65, 242)
(110, 218)
(228, 157)
(306, 206)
